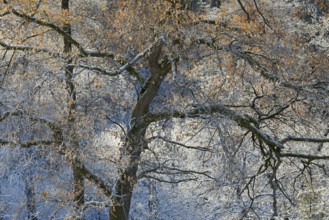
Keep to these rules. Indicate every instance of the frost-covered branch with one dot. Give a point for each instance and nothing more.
(165, 170)
(126, 66)
(28, 48)
(62, 148)
(244, 121)
(59, 30)
(170, 181)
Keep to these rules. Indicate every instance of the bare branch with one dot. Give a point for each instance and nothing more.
(180, 144)
(27, 144)
(244, 9)
(126, 66)
(96, 53)
(96, 69)
(28, 48)
(4, 142)
(261, 14)
(63, 150)
(326, 133)
(244, 121)
(118, 124)
(170, 181)
(305, 156)
(305, 139)
(48, 24)
(4, 14)
(59, 30)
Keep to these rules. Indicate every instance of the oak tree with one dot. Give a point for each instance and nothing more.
(227, 98)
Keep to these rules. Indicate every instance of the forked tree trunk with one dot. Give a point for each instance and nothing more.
(135, 142)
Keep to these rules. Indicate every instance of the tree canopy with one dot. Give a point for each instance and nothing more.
(166, 109)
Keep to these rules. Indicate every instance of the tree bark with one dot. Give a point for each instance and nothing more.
(135, 141)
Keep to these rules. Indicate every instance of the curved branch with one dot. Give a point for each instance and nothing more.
(61, 31)
(244, 10)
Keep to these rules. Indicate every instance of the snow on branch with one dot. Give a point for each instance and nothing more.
(125, 65)
(59, 30)
(59, 141)
(244, 121)
(29, 48)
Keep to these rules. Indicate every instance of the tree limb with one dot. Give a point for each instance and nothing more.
(125, 65)
(244, 121)
(244, 9)
(63, 150)
(59, 30)
(305, 139)
(180, 144)
(305, 156)
(29, 48)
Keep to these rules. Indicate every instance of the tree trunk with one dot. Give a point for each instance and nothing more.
(125, 185)
(29, 191)
(135, 142)
(78, 180)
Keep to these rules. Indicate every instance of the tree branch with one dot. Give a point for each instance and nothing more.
(305, 139)
(63, 150)
(28, 48)
(180, 144)
(4, 142)
(47, 24)
(125, 65)
(244, 9)
(244, 121)
(305, 156)
(27, 144)
(4, 14)
(59, 30)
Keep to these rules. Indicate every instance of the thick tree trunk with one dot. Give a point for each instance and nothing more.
(124, 189)
(78, 180)
(135, 142)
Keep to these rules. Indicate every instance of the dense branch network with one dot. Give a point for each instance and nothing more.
(59, 143)
(244, 121)
(272, 148)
